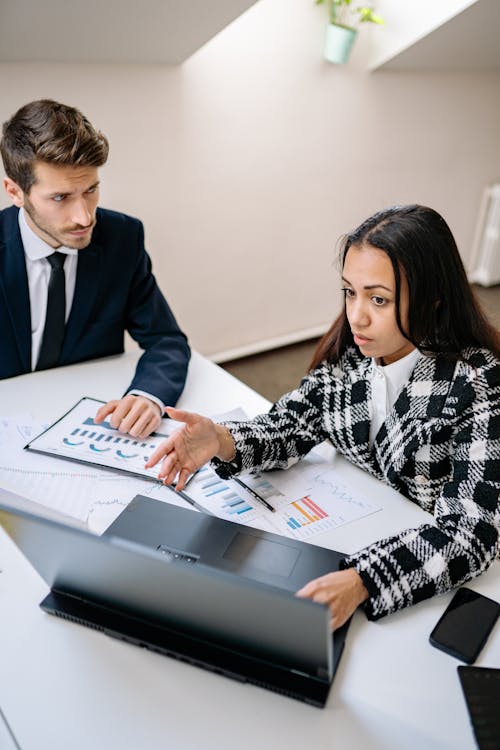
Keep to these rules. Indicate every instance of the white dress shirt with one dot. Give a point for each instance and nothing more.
(387, 382)
(38, 270)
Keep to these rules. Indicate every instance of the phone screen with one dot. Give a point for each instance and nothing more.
(465, 625)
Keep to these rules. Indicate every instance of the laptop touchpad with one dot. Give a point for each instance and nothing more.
(270, 557)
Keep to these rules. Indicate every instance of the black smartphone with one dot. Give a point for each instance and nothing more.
(465, 625)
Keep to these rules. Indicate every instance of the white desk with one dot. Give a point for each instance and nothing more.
(65, 686)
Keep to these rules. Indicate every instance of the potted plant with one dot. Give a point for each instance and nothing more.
(341, 30)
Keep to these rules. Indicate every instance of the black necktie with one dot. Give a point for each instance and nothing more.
(53, 333)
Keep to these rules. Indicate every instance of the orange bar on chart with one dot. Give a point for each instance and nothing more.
(304, 513)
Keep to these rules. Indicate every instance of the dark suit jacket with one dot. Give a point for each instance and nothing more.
(115, 291)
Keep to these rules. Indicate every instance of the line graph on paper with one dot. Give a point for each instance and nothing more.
(72, 493)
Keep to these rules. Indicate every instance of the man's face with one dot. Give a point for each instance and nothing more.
(61, 204)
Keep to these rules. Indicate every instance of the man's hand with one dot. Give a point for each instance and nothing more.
(343, 591)
(136, 415)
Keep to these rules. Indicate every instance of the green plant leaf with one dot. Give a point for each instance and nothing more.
(341, 13)
(367, 15)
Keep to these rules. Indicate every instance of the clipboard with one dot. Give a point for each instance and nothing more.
(75, 437)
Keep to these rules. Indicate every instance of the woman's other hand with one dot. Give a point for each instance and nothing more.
(343, 591)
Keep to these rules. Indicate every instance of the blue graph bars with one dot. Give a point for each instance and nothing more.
(213, 487)
(106, 425)
(119, 446)
(230, 501)
(235, 504)
(109, 438)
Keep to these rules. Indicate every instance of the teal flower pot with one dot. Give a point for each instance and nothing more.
(338, 43)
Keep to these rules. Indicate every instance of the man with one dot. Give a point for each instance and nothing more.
(74, 277)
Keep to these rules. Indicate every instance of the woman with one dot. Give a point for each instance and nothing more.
(406, 385)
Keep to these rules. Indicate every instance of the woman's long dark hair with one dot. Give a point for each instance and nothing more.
(444, 316)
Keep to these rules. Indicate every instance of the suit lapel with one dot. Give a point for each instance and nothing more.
(86, 286)
(14, 281)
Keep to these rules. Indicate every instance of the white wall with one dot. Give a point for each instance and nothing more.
(406, 25)
(248, 162)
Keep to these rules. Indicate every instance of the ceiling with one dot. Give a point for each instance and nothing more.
(469, 41)
(111, 31)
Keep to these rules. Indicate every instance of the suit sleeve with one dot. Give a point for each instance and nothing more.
(464, 539)
(280, 438)
(162, 369)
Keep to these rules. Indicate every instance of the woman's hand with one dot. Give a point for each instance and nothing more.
(343, 591)
(190, 447)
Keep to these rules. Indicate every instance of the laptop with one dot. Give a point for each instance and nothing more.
(203, 590)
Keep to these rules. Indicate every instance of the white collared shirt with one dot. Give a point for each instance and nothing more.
(38, 271)
(387, 382)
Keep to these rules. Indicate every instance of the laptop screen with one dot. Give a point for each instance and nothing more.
(250, 617)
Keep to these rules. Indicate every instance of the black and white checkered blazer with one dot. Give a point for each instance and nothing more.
(439, 446)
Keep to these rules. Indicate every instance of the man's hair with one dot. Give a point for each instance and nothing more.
(49, 132)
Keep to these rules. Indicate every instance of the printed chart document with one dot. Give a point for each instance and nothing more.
(326, 504)
(91, 495)
(302, 501)
(75, 436)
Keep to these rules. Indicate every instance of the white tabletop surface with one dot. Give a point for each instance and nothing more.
(65, 686)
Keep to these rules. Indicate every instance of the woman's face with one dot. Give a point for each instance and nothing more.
(370, 300)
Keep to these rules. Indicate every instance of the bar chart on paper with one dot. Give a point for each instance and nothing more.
(329, 504)
(305, 518)
(228, 499)
(77, 437)
(94, 438)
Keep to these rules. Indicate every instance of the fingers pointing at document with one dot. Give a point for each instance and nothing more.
(190, 447)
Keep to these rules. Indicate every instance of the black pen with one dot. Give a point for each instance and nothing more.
(254, 494)
(190, 477)
(185, 496)
(192, 502)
